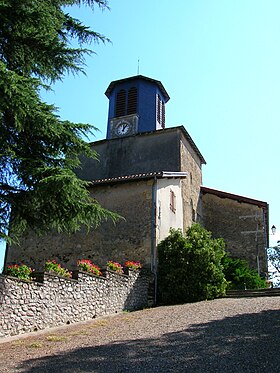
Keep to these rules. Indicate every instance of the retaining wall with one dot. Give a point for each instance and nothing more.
(52, 300)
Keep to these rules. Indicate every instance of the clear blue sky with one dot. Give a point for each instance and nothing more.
(219, 60)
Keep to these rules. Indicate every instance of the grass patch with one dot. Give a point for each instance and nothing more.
(126, 318)
(81, 332)
(35, 345)
(99, 323)
(18, 343)
(56, 338)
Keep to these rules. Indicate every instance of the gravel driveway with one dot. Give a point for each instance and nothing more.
(224, 335)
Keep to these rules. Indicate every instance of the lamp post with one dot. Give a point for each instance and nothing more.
(273, 229)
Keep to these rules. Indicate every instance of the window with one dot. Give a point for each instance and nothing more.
(172, 201)
(126, 102)
(132, 101)
(120, 103)
(160, 112)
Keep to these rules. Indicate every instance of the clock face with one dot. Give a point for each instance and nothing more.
(123, 128)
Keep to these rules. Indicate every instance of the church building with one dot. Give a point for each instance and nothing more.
(152, 176)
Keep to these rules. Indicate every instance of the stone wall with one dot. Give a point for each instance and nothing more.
(145, 152)
(27, 306)
(241, 222)
(191, 164)
(128, 239)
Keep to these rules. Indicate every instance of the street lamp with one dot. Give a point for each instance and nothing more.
(273, 229)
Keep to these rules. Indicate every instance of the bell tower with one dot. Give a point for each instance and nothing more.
(136, 104)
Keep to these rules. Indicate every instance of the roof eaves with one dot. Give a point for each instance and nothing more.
(236, 197)
(142, 176)
(160, 85)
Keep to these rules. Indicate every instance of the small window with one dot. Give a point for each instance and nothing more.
(121, 103)
(126, 102)
(172, 201)
(160, 112)
(132, 101)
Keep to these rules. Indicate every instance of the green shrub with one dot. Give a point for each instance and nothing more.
(189, 266)
(240, 276)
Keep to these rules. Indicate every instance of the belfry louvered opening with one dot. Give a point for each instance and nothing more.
(126, 102)
(121, 103)
(160, 112)
(132, 101)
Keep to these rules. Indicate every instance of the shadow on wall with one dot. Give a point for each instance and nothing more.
(143, 288)
(246, 343)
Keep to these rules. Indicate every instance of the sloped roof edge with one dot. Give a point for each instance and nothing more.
(141, 176)
(236, 197)
(190, 140)
(139, 77)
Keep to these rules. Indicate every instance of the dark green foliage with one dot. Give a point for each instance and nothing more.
(239, 276)
(38, 150)
(189, 267)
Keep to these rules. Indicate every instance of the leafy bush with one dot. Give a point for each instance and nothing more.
(87, 266)
(52, 266)
(189, 267)
(240, 276)
(20, 271)
(114, 266)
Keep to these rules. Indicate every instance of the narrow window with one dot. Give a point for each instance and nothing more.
(162, 115)
(160, 112)
(132, 101)
(172, 201)
(158, 108)
(121, 103)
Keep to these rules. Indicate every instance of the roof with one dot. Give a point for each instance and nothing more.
(236, 197)
(143, 176)
(137, 77)
(190, 140)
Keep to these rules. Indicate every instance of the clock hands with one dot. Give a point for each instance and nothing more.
(124, 127)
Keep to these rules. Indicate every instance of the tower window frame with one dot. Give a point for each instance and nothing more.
(126, 102)
(160, 110)
(172, 204)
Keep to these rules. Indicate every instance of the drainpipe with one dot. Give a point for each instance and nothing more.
(153, 236)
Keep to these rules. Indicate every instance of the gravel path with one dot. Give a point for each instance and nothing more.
(224, 335)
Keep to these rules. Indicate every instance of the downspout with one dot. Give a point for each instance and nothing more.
(266, 237)
(153, 236)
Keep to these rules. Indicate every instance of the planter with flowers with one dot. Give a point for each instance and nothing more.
(55, 268)
(86, 265)
(23, 272)
(132, 265)
(115, 267)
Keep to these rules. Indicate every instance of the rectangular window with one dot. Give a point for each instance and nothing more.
(172, 201)
(160, 112)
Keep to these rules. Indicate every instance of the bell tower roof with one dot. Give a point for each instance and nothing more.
(113, 84)
(136, 105)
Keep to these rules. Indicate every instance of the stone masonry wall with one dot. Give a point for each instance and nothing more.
(27, 306)
(236, 222)
(128, 239)
(190, 163)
